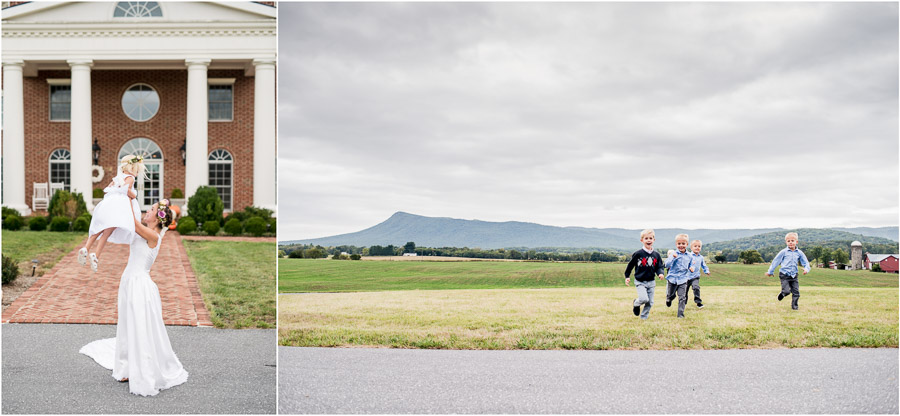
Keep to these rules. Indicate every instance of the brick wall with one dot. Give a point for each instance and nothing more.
(113, 128)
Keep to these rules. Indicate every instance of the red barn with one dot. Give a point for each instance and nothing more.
(890, 263)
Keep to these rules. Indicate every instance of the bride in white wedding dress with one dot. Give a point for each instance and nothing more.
(141, 352)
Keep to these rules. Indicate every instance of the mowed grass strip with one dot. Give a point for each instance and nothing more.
(45, 246)
(237, 280)
(326, 275)
(589, 318)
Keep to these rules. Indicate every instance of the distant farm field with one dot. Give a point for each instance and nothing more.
(589, 318)
(326, 275)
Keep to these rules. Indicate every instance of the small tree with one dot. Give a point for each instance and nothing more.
(876, 267)
(840, 256)
(205, 205)
(296, 254)
(750, 257)
(67, 204)
(815, 253)
(826, 256)
(409, 247)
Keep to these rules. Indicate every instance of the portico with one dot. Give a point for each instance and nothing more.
(141, 84)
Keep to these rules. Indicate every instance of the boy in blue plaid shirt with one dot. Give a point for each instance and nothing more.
(788, 259)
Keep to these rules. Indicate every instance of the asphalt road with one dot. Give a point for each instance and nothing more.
(231, 371)
(384, 381)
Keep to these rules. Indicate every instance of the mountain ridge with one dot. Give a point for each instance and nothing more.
(402, 227)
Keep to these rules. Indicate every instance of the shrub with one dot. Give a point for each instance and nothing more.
(67, 204)
(211, 227)
(59, 224)
(205, 205)
(97, 192)
(10, 270)
(37, 223)
(258, 212)
(186, 226)
(336, 256)
(177, 193)
(13, 222)
(296, 254)
(876, 267)
(239, 215)
(9, 211)
(255, 226)
(233, 226)
(272, 226)
(81, 224)
(355, 257)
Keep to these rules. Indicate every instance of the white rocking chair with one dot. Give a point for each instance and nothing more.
(40, 199)
(56, 186)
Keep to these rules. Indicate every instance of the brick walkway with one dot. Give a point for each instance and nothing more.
(70, 293)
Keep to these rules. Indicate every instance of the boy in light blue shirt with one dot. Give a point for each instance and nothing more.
(788, 259)
(699, 264)
(680, 267)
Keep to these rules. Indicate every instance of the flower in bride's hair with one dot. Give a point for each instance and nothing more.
(161, 214)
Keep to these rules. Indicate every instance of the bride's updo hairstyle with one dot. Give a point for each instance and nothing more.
(164, 214)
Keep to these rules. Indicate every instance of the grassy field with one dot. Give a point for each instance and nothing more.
(48, 247)
(237, 280)
(325, 275)
(590, 318)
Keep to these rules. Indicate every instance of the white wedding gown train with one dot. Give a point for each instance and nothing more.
(141, 350)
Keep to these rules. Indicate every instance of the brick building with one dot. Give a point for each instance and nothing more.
(188, 85)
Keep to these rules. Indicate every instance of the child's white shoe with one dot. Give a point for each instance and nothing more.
(82, 256)
(94, 262)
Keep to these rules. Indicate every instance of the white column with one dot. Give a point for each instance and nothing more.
(80, 130)
(14, 137)
(196, 172)
(264, 138)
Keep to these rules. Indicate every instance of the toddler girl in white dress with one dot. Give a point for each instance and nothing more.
(114, 216)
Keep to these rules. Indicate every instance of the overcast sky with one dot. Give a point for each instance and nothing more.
(727, 115)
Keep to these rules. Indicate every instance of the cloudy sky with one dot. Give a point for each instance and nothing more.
(728, 115)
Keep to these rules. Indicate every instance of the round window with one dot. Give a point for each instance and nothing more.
(140, 102)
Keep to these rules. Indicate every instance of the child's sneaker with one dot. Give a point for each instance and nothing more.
(636, 309)
(700, 306)
(94, 262)
(780, 296)
(82, 256)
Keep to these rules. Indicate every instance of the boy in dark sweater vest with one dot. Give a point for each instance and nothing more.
(647, 265)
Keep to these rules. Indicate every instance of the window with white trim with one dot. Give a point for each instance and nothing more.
(60, 102)
(61, 167)
(221, 100)
(137, 9)
(220, 175)
(140, 102)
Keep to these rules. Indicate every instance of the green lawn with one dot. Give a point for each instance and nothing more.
(590, 318)
(46, 246)
(237, 280)
(325, 275)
